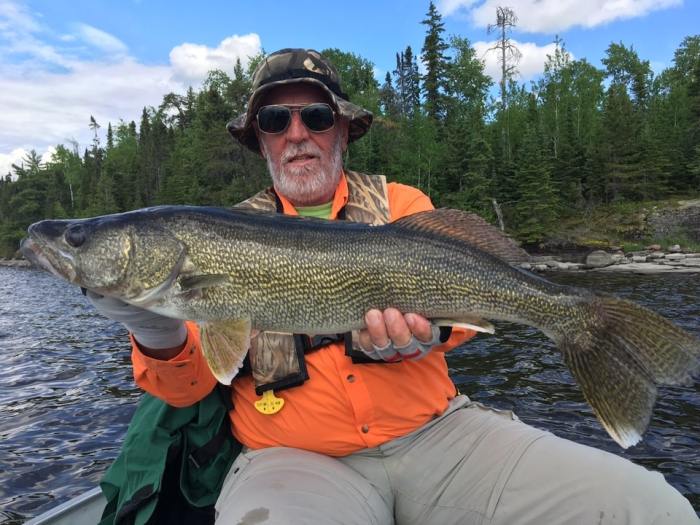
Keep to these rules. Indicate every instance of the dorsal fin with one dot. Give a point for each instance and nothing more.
(467, 227)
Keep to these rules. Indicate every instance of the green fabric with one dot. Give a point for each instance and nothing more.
(157, 432)
(322, 211)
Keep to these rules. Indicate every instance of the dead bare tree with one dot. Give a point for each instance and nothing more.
(510, 55)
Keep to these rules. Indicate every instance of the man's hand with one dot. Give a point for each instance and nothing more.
(392, 336)
(158, 336)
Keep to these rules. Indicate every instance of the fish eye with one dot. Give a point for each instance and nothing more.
(75, 236)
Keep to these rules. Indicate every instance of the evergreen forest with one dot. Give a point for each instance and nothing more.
(523, 156)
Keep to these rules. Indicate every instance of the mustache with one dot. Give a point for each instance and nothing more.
(294, 150)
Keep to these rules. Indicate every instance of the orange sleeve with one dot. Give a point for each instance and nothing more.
(457, 337)
(405, 200)
(180, 381)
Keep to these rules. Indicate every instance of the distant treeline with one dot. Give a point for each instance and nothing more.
(579, 137)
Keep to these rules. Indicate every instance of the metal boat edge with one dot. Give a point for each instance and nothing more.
(85, 509)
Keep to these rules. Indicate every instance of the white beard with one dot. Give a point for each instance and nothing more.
(305, 185)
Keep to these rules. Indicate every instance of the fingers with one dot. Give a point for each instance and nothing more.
(392, 336)
(376, 333)
(420, 327)
(396, 327)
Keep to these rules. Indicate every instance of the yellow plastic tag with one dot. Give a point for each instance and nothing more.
(268, 403)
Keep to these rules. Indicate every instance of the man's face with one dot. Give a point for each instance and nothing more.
(305, 166)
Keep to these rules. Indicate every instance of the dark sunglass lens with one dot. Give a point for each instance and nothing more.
(317, 117)
(273, 119)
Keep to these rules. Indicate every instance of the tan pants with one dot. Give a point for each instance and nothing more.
(472, 465)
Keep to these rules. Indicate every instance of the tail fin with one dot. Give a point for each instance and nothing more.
(621, 356)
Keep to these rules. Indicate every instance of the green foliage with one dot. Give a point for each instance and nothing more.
(434, 48)
(578, 138)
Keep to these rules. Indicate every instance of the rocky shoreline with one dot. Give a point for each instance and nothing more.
(651, 260)
(16, 263)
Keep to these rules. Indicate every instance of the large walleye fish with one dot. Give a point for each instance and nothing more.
(235, 271)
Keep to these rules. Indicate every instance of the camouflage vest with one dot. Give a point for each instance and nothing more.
(277, 359)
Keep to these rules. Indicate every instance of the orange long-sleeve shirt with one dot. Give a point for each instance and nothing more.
(343, 407)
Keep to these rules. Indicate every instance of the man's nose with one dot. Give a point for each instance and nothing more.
(297, 132)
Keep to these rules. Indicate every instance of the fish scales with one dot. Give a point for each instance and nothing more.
(329, 286)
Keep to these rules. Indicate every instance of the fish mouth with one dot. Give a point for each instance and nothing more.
(35, 251)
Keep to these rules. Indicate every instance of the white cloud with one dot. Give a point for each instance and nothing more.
(17, 35)
(15, 16)
(48, 98)
(8, 159)
(193, 61)
(448, 7)
(551, 16)
(51, 108)
(531, 62)
(102, 40)
(16, 156)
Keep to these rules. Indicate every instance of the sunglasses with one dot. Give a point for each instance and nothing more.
(318, 117)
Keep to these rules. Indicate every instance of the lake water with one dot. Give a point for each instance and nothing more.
(67, 394)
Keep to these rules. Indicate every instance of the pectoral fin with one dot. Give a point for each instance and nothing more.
(225, 344)
(470, 322)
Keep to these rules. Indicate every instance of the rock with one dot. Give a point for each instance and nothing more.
(540, 267)
(683, 219)
(675, 249)
(656, 255)
(639, 258)
(676, 263)
(675, 256)
(654, 247)
(556, 265)
(691, 261)
(646, 268)
(599, 259)
(526, 266)
(15, 263)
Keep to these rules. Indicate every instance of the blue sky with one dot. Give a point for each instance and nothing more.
(62, 61)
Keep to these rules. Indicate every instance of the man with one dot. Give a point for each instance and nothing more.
(367, 427)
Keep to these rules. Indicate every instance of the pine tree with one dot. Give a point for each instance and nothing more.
(694, 128)
(466, 90)
(388, 102)
(536, 207)
(407, 83)
(412, 79)
(434, 48)
(621, 146)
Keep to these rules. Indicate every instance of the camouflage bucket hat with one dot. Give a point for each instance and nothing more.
(297, 65)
